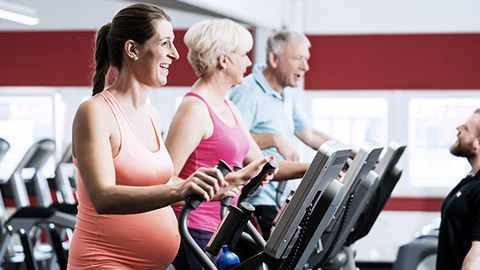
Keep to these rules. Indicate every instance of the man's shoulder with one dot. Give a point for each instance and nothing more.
(475, 184)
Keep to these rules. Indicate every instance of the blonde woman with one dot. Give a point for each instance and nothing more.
(208, 127)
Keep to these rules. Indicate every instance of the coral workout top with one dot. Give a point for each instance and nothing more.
(230, 144)
(147, 240)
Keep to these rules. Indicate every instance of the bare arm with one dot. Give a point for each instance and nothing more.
(284, 147)
(312, 137)
(315, 138)
(187, 129)
(95, 143)
(287, 169)
(472, 260)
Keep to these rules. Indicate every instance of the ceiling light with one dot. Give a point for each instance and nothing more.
(18, 13)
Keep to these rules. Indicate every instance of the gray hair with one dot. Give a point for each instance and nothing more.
(276, 42)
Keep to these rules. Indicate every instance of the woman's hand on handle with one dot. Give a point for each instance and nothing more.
(205, 182)
(231, 192)
(269, 177)
(243, 176)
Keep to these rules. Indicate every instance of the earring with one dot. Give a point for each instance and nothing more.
(135, 58)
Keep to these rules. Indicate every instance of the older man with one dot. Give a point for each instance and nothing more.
(266, 101)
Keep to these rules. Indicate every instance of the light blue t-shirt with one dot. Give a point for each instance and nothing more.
(265, 111)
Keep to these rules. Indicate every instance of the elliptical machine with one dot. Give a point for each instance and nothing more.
(318, 195)
(234, 222)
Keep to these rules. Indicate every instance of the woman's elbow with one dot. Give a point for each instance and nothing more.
(100, 205)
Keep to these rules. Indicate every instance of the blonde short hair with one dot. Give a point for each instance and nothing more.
(209, 39)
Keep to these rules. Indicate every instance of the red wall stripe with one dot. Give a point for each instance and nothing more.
(414, 204)
(181, 72)
(415, 61)
(65, 58)
(427, 61)
(46, 58)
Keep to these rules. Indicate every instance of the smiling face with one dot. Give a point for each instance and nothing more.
(155, 57)
(467, 138)
(293, 64)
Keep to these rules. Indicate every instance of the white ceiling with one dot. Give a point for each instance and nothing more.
(310, 16)
(91, 14)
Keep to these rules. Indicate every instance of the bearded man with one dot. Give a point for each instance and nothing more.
(459, 236)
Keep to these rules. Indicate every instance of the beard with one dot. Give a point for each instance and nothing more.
(458, 150)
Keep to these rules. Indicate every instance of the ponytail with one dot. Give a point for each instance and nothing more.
(135, 22)
(102, 63)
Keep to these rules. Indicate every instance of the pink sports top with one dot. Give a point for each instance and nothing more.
(147, 240)
(226, 143)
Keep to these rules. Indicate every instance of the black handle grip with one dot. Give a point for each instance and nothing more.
(225, 202)
(193, 201)
(228, 200)
(255, 182)
(223, 167)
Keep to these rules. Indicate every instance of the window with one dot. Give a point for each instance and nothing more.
(25, 120)
(352, 120)
(425, 121)
(432, 130)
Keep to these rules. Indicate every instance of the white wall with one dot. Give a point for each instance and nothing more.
(378, 16)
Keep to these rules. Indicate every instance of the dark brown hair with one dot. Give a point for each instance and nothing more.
(135, 22)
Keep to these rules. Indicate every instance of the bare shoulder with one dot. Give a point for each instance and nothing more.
(93, 111)
(192, 108)
(93, 121)
(192, 118)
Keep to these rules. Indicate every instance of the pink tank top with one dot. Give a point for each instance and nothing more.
(147, 240)
(226, 143)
